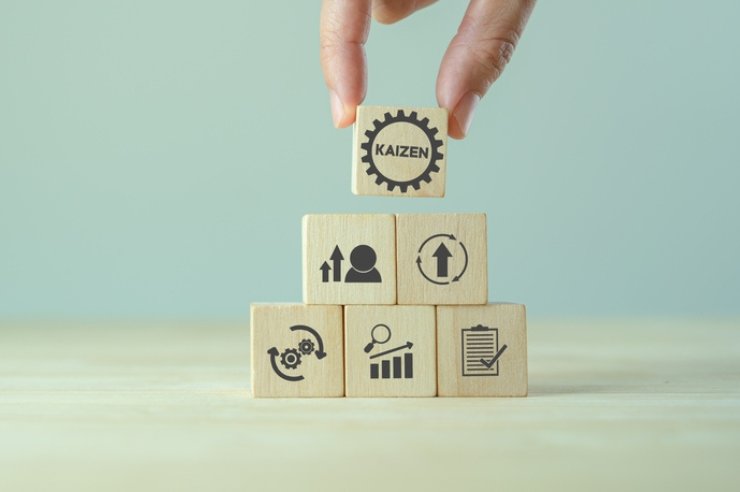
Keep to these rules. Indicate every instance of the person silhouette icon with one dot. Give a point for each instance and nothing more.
(363, 269)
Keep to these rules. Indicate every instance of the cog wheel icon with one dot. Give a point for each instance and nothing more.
(306, 346)
(290, 358)
(433, 159)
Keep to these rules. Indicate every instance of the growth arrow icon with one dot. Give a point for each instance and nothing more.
(443, 255)
(325, 272)
(406, 345)
(337, 258)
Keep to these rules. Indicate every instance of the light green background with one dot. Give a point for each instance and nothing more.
(156, 156)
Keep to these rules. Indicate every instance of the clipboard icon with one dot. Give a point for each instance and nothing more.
(480, 351)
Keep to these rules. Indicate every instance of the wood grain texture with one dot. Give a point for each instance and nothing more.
(613, 405)
(482, 350)
(273, 342)
(323, 233)
(403, 326)
(404, 148)
(456, 242)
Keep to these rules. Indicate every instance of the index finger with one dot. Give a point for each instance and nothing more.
(477, 55)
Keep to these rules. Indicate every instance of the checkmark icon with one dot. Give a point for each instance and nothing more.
(496, 357)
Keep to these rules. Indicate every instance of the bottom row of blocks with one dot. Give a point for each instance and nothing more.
(303, 350)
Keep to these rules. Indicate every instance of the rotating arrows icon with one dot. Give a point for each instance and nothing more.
(444, 257)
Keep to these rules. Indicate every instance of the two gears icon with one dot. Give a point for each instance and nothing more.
(291, 358)
(385, 158)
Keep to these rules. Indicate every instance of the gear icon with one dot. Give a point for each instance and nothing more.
(290, 358)
(422, 125)
(306, 346)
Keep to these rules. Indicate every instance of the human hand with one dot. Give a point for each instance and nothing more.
(474, 59)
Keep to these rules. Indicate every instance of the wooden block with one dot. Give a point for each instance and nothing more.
(349, 259)
(399, 151)
(482, 350)
(442, 259)
(297, 350)
(390, 351)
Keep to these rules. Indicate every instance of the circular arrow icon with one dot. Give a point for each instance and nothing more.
(290, 358)
(442, 251)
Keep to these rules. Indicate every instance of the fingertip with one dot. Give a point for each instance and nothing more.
(337, 109)
(453, 130)
(385, 17)
(476, 57)
(460, 109)
(391, 11)
(462, 115)
(343, 115)
(347, 120)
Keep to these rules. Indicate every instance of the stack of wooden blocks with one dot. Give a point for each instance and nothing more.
(394, 305)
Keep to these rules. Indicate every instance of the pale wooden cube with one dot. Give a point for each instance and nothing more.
(399, 151)
(297, 351)
(349, 259)
(482, 350)
(442, 259)
(390, 351)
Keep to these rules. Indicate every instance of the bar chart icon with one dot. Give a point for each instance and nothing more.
(397, 367)
(480, 351)
(393, 364)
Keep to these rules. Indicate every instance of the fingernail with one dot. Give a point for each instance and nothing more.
(464, 110)
(337, 108)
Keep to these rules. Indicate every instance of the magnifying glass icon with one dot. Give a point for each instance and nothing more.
(378, 335)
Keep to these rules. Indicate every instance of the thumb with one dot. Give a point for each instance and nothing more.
(344, 29)
(477, 55)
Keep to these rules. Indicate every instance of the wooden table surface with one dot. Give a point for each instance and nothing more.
(613, 405)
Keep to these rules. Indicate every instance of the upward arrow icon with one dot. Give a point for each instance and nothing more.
(443, 255)
(325, 272)
(337, 258)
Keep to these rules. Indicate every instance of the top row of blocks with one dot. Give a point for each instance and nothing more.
(399, 151)
(419, 259)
